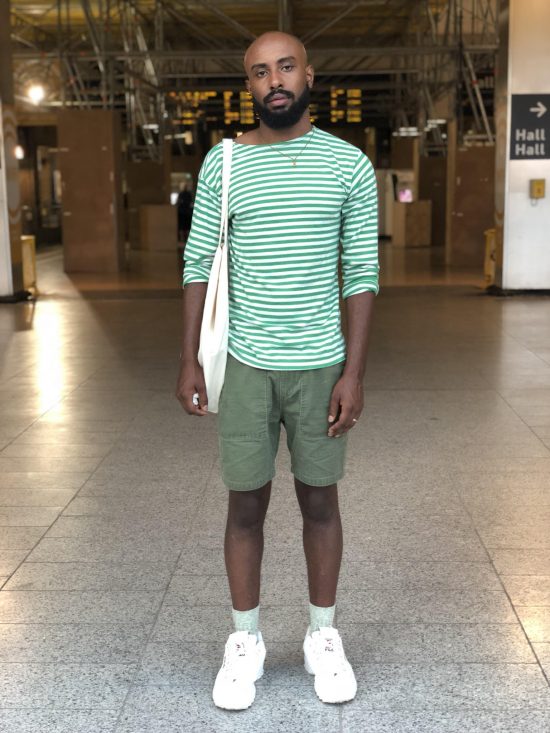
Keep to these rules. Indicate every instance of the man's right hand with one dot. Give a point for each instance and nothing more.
(190, 382)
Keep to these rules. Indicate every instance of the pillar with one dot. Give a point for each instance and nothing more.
(522, 113)
(11, 267)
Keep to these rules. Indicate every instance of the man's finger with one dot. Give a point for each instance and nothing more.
(333, 408)
(189, 405)
(343, 423)
(202, 398)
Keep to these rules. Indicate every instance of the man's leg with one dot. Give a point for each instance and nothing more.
(244, 545)
(322, 535)
(243, 661)
(324, 654)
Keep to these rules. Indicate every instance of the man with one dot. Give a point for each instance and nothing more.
(299, 200)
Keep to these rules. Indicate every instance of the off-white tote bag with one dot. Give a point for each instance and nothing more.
(215, 319)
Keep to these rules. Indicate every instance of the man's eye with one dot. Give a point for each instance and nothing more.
(260, 73)
(287, 67)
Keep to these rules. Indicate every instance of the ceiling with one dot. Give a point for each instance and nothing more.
(144, 56)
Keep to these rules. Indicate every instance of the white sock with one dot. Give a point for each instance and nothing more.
(320, 616)
(247, 620)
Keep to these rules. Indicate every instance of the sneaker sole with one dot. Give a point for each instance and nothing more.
(239, 707)
(334, 701)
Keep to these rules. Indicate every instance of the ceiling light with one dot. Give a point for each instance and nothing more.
(36, 93)
(19, 152)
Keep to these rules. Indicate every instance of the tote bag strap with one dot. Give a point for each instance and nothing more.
(226, 177)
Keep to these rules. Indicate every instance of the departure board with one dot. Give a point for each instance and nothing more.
(230, 107)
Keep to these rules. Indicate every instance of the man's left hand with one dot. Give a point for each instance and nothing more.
(346, 405)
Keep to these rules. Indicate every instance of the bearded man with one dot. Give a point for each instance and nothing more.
(300, 201)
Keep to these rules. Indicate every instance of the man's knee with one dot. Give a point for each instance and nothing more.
(247, 509)
(319, 504)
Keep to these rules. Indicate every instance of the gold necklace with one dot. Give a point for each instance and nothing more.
(295, 158)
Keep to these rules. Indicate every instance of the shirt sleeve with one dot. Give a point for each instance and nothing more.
(205, 225)
(359, 232)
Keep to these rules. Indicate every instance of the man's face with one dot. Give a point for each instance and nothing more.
(279, 80)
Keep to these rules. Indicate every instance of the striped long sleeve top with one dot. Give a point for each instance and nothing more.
(288, 226)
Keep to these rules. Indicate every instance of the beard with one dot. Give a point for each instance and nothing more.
(280, 119)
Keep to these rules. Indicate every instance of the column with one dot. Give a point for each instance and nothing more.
(522, 113)
(11, 268)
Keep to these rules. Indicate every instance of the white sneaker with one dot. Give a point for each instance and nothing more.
(243, 664)
(325, 658)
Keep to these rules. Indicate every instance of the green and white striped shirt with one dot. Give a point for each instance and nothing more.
(288, 226)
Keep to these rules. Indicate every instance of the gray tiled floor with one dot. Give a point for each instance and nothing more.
(114, 605)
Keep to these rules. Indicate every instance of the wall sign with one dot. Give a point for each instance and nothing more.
(530, 133)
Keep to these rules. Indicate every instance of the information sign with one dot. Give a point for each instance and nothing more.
(530, 133)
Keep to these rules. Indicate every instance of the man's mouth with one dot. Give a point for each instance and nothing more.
(278, 100)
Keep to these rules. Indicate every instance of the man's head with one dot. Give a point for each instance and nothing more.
(279, 78)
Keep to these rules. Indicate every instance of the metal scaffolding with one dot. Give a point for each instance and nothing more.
(414, 56)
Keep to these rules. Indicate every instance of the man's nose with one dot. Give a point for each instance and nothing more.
(275, 82)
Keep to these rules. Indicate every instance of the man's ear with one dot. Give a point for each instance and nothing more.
(247, 84)
(310, 75)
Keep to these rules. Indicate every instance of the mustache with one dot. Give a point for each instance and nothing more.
(277, 92)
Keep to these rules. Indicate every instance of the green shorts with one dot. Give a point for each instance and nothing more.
(254, 403)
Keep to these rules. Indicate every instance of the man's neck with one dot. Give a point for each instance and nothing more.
(268, 135)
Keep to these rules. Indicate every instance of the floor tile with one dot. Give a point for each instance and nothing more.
(533, 590)
(28, 516)
(452, 686)
(78, 607)
(434, 643)
(155, 709)
(542, 650)
(372, 574)
(72, 643)
(55, 450)
(36, 497)
(357, 719)
(121, 550)
(64, 685)
(43, 480)
(536, 622)
(20, 538)
(37, 720)
(10, 560)
(91, 576)
(425, 606)
(521, 562)
(9, 464)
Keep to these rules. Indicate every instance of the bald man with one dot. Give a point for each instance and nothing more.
(300, 200)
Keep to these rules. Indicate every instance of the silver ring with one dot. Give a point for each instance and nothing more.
(354, 419)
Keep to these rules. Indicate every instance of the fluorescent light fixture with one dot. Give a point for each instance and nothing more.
(36, 93)
(437, 121)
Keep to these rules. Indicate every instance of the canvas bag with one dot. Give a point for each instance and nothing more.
(215, 319)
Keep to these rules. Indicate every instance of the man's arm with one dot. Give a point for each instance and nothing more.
(360, 285)
(191, 377)
(346, 402)
(199, 255)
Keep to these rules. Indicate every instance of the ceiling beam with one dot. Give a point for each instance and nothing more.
(232, 53)
(226, 19)
(326, 24)
(284, 20)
